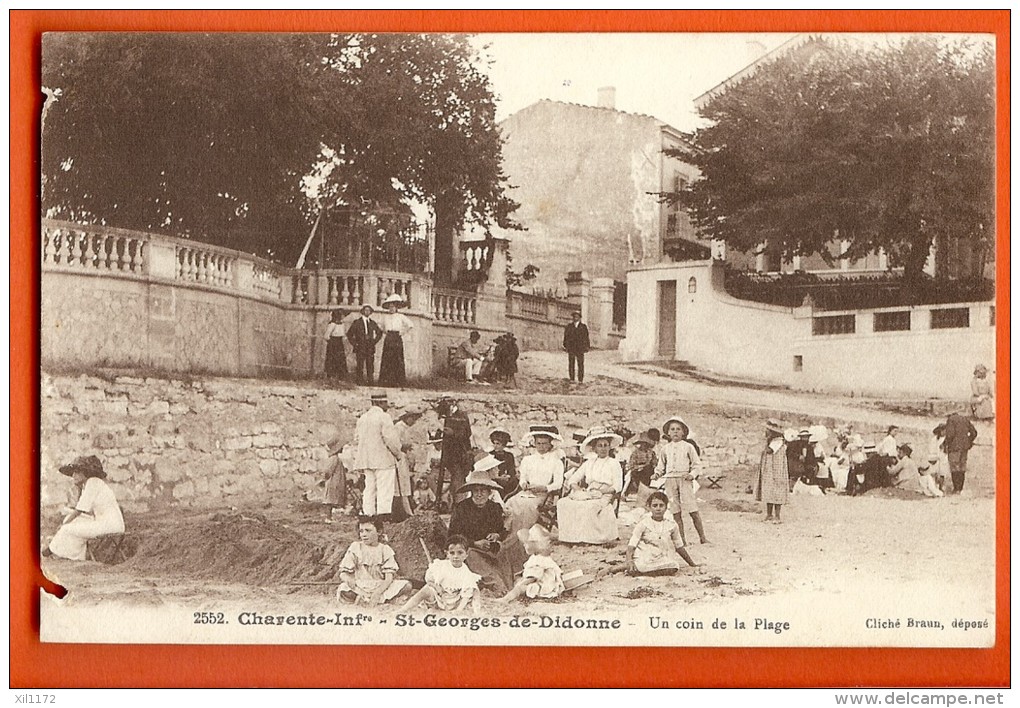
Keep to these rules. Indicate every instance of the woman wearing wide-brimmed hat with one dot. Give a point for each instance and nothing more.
(395, 326)
(773, 483)
(588, 514)
(494, 554)
(541, 475)
(96, 513)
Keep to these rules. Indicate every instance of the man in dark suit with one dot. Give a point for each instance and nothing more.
(457, 456)
(575, 341)
(363, 334)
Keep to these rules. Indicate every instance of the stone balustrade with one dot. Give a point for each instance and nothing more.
(98, 248)
(175, 304)
(454, 306)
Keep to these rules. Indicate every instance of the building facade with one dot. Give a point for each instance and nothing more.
(589, 180)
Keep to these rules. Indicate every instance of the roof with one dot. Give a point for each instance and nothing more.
(786, 47)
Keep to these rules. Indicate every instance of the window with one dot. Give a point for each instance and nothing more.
(692, 285)
(950, 318)
(892, 321)
(798, 362)
(834, 324)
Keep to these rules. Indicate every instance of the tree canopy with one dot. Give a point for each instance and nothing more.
(882, 147)
(242, 139)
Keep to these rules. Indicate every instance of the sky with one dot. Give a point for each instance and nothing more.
(655, 74)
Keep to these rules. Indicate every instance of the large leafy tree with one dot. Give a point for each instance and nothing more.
(243, 140)
(883, 147)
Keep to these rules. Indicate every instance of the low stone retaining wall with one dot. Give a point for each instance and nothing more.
(215, 442)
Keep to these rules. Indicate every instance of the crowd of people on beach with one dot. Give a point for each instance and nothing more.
(511, 501)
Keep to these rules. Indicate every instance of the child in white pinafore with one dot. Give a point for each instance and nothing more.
(449, 583)
(542, 577)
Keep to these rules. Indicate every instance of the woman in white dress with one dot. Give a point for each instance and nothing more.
(541, 474)
(96, 514)
(395, 326)
(588, 513)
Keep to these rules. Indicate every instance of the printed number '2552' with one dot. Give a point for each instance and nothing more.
(209, 618)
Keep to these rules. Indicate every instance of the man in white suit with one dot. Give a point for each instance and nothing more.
(378, 449)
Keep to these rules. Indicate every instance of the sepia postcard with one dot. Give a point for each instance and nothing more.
(585, 340)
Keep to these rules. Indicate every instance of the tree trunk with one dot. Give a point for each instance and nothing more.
(445, 245)
(913, 267)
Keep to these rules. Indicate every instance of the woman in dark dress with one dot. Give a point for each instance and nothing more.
(395, 326)
(495, 554)
(506, 474)
(336, 354)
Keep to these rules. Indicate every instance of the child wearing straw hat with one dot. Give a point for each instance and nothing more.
(773, 483)
(678, 467)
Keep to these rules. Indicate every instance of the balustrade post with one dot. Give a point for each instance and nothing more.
(370, 290)
(162, 260)
(244, 275)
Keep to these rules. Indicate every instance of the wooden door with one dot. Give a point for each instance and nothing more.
(667, 319)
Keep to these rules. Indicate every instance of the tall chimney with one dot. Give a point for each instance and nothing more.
(607, 97)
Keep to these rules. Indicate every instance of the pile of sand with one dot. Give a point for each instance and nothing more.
(249, 548)
(233, 547)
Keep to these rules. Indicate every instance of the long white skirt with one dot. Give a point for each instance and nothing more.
(71, 539)
(586, 520)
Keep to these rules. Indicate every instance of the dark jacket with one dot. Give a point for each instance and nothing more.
(475, 522)
(960, 434)
(360, 341)
(575, 338)
(457, 446)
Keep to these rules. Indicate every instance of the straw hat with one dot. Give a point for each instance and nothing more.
(644, 439)
(370, 308)
(88, 465)
(394, 299)
(818, 433)
(550, 431)
(600, 433)
(774, 426)
(578, 435)
(379, 397)
(790, 434)
(479, 478)
(677, 419)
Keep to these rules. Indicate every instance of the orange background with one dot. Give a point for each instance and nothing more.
(34, 664)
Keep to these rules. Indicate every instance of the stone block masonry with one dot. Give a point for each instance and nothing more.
(215, 442)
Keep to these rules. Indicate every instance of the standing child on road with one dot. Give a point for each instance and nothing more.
(449, 583)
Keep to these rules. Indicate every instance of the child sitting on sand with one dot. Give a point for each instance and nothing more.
(542, 577)
(656, 547)
(369, 568)
(449, 584)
